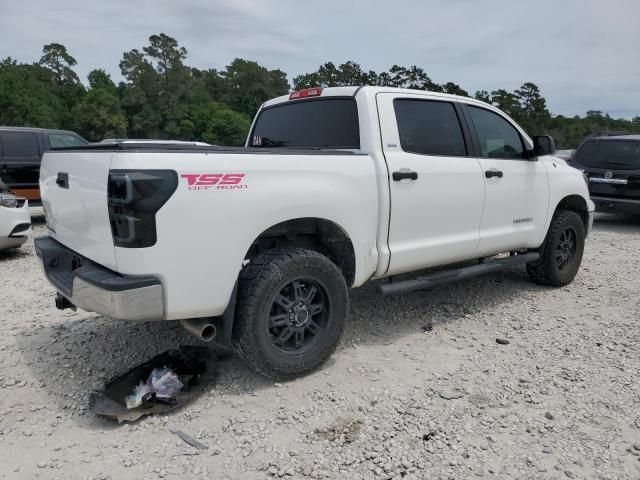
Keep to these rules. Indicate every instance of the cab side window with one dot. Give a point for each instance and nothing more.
(429, 127)
(20, 147)
(498, 138)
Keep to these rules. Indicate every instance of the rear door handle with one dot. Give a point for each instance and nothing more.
(493, 173)
(62, 180)
(404, 175)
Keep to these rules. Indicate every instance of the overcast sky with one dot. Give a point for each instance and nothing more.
(583, 54)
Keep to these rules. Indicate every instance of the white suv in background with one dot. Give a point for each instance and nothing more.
(15, 221)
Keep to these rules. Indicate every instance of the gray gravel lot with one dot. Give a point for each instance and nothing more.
(418, 389)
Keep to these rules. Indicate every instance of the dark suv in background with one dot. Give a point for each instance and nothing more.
(612, 165)
(21, 151)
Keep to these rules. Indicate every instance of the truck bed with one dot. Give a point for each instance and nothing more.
(211, 149)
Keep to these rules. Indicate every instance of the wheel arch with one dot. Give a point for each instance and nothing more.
(318, 234)
(575, 203)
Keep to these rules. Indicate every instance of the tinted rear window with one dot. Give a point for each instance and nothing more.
(326, 123)
(20, 146)
(612, 154)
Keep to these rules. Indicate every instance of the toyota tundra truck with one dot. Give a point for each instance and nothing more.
(255, 248)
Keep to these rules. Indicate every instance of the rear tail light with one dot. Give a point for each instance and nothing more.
(134, 198)
(307, 92)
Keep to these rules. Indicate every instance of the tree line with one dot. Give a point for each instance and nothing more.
(160, 96)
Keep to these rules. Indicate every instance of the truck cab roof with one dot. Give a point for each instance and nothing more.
(353, 91)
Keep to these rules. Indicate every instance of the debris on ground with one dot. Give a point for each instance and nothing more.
(189, 439)
(479, 400)
(343, 430)
(162, 384)
(451, 394)
(502, 341)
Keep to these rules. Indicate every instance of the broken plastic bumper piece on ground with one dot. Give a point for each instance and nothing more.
(163, 383)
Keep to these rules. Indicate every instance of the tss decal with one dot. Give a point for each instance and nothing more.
(218, 181)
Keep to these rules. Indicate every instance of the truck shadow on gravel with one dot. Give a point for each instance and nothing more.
(617, 223)
(376, 319)
(14, 254)
(78, 353)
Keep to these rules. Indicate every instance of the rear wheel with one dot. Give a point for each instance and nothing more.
(290, 312)
(561, 252)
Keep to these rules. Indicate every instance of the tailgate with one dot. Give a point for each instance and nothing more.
(73, 185)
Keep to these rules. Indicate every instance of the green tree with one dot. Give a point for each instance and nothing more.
(454, 89)
(483, 96)
(157, 83)
(413, 77)
(247, 85)
(99, 116)
(27, 97)
(595, 114)
(100, 79)
(56, 59)
(533, 107)
(507, 102)
(225, 126)
(351, 74)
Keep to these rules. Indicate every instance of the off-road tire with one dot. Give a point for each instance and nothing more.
(547, 270)
(262, 281)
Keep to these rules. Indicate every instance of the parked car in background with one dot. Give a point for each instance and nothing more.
(15, 220)
(21, 151)
(565, 155)
(612, 165)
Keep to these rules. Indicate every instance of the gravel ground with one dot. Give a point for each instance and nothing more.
(419, 387)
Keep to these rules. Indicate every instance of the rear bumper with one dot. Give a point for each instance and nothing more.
(95, 288)
(612, 204)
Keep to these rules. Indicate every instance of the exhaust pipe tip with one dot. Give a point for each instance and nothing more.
(200, 328)
(208, 333)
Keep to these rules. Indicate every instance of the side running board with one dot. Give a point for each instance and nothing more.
(448, 276)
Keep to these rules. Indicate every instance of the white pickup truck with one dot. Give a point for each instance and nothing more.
(256, 247)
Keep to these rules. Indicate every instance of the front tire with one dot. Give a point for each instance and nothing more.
(561, 251)
(290, 312)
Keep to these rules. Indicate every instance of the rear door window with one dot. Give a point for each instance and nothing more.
(20, 147)
(330, 123)
(429, 128)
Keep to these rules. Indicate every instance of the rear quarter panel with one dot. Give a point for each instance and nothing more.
(205, 233)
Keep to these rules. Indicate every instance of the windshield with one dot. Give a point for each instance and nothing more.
(328, 123)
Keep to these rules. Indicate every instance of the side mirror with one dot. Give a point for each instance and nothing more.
(543, 145)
